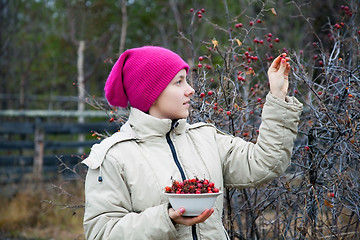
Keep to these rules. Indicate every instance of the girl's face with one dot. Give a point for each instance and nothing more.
(174, 101)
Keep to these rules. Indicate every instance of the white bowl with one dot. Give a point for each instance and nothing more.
(194, 204)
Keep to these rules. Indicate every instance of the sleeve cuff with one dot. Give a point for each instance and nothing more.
(290, 102)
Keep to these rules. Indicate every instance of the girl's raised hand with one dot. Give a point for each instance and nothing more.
(278, 75)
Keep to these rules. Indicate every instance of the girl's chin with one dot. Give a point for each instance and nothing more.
(181, 115)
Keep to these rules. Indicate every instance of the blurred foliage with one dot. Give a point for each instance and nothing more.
(39, 38)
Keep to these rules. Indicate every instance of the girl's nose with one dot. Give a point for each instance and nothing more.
(189, 91)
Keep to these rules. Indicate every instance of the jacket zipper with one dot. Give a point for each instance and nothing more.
(176, 160)
(173, 151)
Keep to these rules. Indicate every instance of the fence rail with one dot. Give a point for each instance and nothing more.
(15, 169)
(52, 113)
(27, 149)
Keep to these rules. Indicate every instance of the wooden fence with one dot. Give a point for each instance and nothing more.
(28, 149)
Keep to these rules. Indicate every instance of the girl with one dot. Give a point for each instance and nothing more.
(129, 170)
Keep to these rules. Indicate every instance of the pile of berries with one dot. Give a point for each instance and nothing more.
(192, 186)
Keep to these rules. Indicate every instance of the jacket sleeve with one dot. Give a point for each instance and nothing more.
(108, 210)
(246, 164)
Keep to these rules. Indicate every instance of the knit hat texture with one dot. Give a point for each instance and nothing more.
(140, 75)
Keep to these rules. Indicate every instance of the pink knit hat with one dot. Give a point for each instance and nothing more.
(140, 75)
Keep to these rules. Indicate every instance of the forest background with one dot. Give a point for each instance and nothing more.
(56, 55)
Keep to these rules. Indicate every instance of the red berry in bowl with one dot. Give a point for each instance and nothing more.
(192, 186)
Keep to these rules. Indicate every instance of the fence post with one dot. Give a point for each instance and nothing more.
(39, 136)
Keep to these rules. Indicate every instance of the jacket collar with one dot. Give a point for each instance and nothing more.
(146, 125)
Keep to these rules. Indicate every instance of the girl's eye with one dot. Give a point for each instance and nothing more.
(178, 82)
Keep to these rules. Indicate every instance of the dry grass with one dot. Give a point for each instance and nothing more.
(43, 211)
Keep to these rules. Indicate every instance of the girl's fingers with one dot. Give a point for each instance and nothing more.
(177, 217)
(283, 65)
(287, 70)
(203, 216)
(275, 63)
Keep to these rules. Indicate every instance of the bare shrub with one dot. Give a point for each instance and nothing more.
(319, 196)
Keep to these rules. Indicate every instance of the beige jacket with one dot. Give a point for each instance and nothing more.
(137, 163)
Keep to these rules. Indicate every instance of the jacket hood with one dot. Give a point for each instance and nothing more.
(139, 127)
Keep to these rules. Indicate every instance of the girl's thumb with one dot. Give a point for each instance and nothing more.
(181, 210)
(282, 64)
